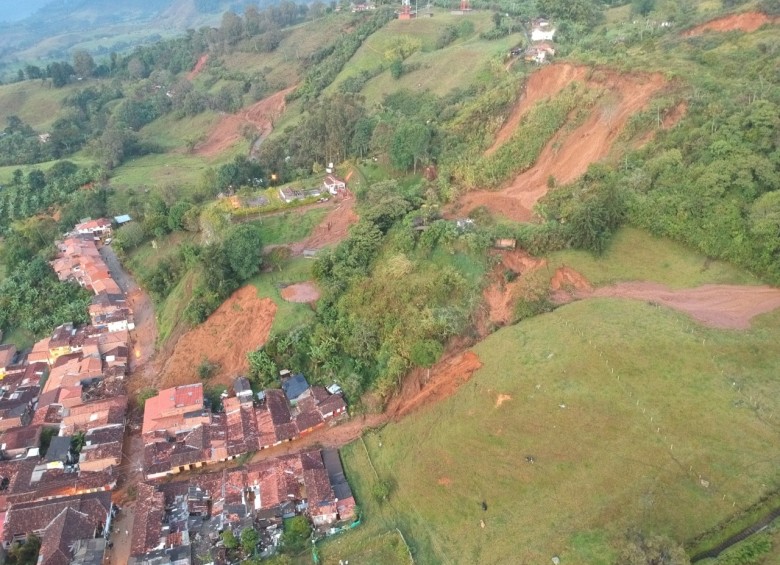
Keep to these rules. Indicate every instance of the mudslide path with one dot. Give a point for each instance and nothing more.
(568, 154)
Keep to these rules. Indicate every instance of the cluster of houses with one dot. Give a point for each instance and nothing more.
(62, 417)
(331, 185)
(542, 48)
(180, 433)
(175, 520)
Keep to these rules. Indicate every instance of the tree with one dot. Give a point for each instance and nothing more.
(25, 553)
(83, 63)
(144, 395)
(410, 144)
(244, 250)
(229, 538)
(249, 540)
(33, 72)
(262, 368)
(425, 353)
(296, 534)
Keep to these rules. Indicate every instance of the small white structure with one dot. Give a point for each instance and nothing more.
(542, 31)
(334, 185)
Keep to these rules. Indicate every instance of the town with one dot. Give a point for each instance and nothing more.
(64, 432)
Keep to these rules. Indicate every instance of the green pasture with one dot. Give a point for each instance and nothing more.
(635, 255)
(634, 417)
(288, 314)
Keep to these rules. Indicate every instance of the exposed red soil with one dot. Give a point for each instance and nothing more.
(716, 305)
(568, 155)
(301, 292)
(746, 21)
(543, 84)
(260, 115)
(241, 324)
(500, 296)
(566, 278)
(423, 386)
(333, 228)
(202, 60)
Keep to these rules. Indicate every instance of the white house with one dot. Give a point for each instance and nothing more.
(542, 31)
(333, 184)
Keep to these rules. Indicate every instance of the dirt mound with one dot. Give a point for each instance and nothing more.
(720, 306)
(569, 279)
(501, 295)
(240, 325)
(747, 22)
(260, 115)
(423, 386)
(301, 292)
(568, 155)
(202, 60)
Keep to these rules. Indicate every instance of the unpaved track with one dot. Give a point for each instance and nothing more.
(568, 155)
(260, 115)
(746, 21)
(715, 305)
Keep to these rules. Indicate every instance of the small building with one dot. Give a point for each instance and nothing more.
(295, 388)
(290, 194)
(7, 356)
(122, 220)
(505, 243)
(542, 31)
(243, 389)
(334, 185)
(99, 227)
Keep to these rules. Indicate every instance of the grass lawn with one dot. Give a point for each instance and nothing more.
(635, 255)
(174, 134)
(164, 169)
(289, 226)
(679, 443)
(388, 547)
(288, 314)
(35, 103)
(169, 313)
(80, 159)
(22, 339)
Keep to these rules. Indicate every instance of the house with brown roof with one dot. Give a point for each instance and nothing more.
(20, 442)
(174, 410)
(7, 356)
(102, 448)
(28, 518)
(99, 227)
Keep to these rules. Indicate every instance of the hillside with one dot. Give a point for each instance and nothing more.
(554, 264)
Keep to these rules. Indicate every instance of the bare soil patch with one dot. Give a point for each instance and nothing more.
(201, 63)
(333, 228)
(746, 21)
(304, 292)
(423, 386)
(543, 84)
(501, 398)
(568, 155)
(715, 305)
(240, 325)
(501, 295)
(261, 115)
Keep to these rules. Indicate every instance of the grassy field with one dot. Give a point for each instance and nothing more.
(162, 169)
(35, 103)
(289, 226)
(457, 65)
(288, 314)
(175, 134)
(635, 255)
(675, 445)
(389, 547)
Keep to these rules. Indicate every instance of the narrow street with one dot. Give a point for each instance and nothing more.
(144, 339)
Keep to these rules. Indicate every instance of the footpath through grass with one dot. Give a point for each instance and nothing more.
(633, 416)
